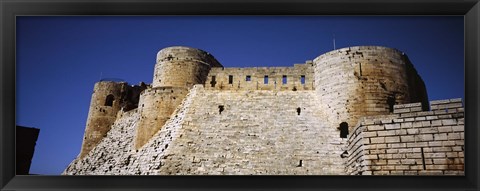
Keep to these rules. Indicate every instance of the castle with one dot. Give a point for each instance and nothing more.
(359, 110)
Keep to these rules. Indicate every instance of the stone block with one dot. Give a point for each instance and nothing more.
(408, 115)
(399, 111)
(412, 131)
(430, 172)
(369, 134)
(445, 129)
(377, 140)
(375, 127)
(440, 137)
(434, 155)
(428, 130)
(424, 137)
(453, 136)
(416, 109)
(410, 172)
(414, 155)
(436, 123)
(397, 120)
(406, 125)
(417, 124)
(452, 154)
(370, 157)
(458, 128)
(435, 144)
(397, 145)
(392, 126)
(442, 149)
(394, 139)
(456, 100)
(437, 102)
(423, 118)
(419, 144)
(449, 122)
(385, 133)
(409, 105)
(409, 138)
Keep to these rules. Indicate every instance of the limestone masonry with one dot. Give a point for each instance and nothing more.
(353, 111)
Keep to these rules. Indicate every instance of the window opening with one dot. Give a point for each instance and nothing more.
(302, 79)
(343, 130)
(391, 103)
(284, 79)
(109, 100)
(298, 110)
(230, 79)
(220, 109)
(248, 78)
(213, 82)
(265, 80)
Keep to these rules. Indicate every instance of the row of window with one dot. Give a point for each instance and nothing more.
(265, 79)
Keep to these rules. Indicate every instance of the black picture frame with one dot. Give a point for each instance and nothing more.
(9, 9)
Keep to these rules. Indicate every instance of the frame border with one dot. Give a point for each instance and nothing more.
(9, 9)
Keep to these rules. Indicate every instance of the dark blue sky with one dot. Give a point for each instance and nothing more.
(59, 59)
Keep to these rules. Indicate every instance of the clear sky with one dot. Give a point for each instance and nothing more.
(59, 59)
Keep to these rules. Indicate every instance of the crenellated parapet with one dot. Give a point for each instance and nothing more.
(298, 77)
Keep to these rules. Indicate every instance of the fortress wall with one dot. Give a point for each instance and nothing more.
(182, 67)
(363, 81)
(115, 155)
(410, 142)
(218, 78)
(101, 114)
(258, 132)
(155, 107)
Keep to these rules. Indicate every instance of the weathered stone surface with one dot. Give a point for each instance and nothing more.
(334, 115)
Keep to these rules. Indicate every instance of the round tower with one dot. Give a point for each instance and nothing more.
(104, 105)
(363, 81)
(177, 69)
(181, 66)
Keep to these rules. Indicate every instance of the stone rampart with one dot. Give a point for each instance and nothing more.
(298, 77)
(410, 142)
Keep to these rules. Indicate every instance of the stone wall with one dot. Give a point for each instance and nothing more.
(410, 142)
(262, 78)
(108, 98)
(115, 154)
(256, 132)
(155, 107)
(364, 81)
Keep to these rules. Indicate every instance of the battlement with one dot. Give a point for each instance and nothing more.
(298, 77)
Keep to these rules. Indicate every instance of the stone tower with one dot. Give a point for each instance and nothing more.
(104, 105)
(176, 71)
(365, 81)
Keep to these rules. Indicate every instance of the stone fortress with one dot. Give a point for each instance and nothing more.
(353, 111)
